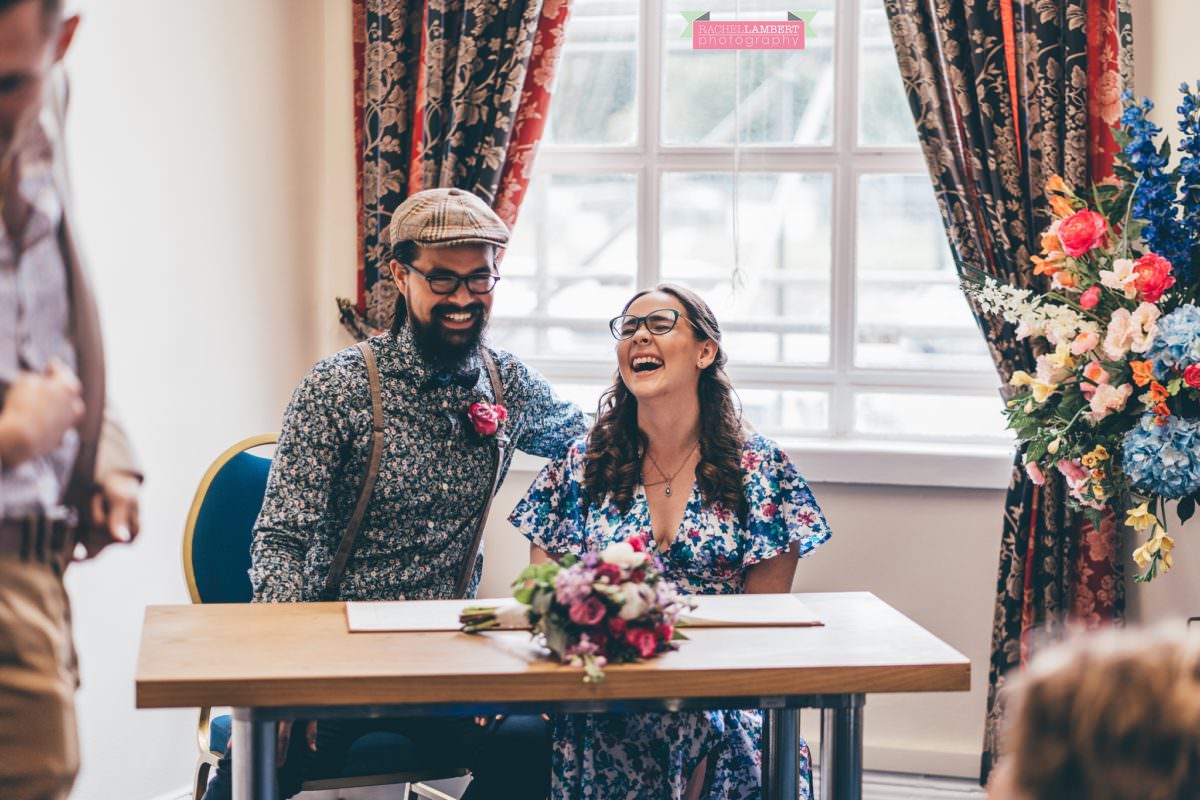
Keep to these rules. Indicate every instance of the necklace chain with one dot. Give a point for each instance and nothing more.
(668, 478)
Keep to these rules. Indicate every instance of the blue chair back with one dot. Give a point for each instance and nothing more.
(216, 542)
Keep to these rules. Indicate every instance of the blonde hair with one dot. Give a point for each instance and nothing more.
(1109, 716)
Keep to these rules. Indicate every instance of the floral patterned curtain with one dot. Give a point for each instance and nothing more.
(447, 93)
(1006, 93)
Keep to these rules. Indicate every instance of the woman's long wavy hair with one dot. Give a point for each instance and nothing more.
(616, 445)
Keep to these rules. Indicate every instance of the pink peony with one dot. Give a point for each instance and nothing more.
(487, 418)
(1035, 473)
(587, 612)
(1081, 231)
(1090, 298)
(641, 640)
(1153, 277)
(1107, 399)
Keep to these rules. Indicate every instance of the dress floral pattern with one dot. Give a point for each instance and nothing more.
(646, 755)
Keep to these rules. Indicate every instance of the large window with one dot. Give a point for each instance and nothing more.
(786, 187)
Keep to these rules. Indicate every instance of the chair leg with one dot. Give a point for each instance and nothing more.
(202, 770)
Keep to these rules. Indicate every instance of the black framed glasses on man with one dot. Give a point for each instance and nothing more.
(448, 282)
(657, 322)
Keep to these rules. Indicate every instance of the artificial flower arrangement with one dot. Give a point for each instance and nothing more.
(609, 607)
(1114, 402)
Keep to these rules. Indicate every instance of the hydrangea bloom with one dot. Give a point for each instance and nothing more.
(1177, 344)
(1164, 459)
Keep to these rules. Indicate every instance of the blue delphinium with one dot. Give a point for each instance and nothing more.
(1155, 200)
(1177, 343)
(1189, 166)
(1163, 459)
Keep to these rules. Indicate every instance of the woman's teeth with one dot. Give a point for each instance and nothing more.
(646, 363)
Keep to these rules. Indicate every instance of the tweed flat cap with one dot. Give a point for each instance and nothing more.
(444, 218)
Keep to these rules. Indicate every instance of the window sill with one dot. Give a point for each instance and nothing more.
(884, 463)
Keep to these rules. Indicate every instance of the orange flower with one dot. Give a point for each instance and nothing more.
(1163, 413)
(1043, 266)
(1051, 244)
(1143, 372)
(1057, 184)
(1158, 393)
(1064, 278)
(1061, 206)
(1099, 474)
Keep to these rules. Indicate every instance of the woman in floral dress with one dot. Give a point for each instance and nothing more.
(669, 459)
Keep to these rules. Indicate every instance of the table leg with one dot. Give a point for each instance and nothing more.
(253, 757)
(781, 746)
(841, 750)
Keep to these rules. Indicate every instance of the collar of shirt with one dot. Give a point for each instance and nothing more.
(33, 168)
(399, 356)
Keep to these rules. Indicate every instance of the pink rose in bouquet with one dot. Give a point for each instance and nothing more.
(1153, 277)
(1082, 231)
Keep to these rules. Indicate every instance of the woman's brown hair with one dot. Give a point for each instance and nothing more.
(616, 445)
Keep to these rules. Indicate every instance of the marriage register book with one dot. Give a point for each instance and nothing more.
(711, 611)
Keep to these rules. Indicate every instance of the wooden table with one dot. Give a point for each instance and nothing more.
(286, 661)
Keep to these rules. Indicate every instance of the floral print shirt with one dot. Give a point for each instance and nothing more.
(434, 475)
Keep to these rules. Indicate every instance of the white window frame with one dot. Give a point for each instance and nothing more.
(841, 454)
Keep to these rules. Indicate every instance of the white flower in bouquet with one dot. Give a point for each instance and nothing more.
(636, 599)
(623, 555)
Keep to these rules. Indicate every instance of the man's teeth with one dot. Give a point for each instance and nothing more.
(459, 316)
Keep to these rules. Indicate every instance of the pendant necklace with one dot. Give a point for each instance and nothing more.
(668, 478)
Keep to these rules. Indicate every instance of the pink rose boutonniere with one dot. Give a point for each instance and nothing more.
(487, 418)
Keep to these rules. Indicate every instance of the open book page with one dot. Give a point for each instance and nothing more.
(748, 610)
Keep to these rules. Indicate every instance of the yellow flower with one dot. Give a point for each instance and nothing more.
(1052, 448)
(1090, 460)
(1101, 452)
(1061, 207)
(1020, 378)
(1061, 357)
(1098, 490)
(1057, 184)
(1142, 557)
(1042, 390)
(1141, 518)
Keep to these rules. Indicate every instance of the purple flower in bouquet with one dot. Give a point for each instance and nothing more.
(571, 586)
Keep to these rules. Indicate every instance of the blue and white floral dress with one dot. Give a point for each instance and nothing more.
(649, 756)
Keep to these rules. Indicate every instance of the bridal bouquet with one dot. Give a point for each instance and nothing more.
(609, 607)
(1114, 402)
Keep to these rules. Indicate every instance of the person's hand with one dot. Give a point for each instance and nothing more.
(283, 737)
(39, 408)
(115, 513)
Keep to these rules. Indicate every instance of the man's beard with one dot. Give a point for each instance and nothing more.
(446, 350)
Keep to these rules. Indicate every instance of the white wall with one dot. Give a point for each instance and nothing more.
(198, 136)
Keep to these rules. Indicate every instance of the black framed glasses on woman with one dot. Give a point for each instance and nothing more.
(448, 282)
(657, 322)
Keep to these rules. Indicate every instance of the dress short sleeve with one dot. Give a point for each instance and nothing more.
(553, 513)
(782, 509)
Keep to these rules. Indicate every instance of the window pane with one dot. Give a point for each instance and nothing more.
(910, 310)
(775, 412)
(778, 309)
(571, 265)
(595, 94)
(784, 97)
(943, 416)
(883, 114)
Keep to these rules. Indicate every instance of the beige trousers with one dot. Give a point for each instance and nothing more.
(39, 748)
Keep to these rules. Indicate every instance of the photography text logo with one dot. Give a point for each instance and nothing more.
(709, 34)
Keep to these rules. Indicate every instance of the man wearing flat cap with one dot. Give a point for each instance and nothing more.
(447, 440)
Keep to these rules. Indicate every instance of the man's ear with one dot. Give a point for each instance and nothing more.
(398, 273)
(66, 35)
